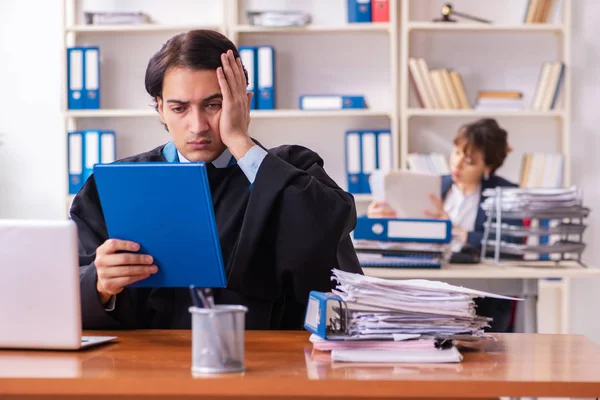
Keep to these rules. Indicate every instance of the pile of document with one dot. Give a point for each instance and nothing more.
(116, 17)
(535, 224)
(524, 200)
(274, 19)
(382, 308)
(370, 319)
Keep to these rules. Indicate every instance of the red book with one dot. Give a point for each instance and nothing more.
(380, 11)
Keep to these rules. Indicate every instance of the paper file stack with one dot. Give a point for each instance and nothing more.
(553, 223)
(381, 308)
(370, 319)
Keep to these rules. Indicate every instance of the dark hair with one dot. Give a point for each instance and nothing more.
(488, 137)
(198, 49)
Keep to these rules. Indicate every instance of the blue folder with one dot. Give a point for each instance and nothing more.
(75, 78)
(403, 230)
(359, 11)
(249, 57)
(167, 209)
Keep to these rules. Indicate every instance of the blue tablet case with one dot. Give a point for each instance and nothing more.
(167, 209)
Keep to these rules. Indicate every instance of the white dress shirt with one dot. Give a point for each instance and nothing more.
(462, 210)
(249, 164)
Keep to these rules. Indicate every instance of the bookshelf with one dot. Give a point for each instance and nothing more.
(395, 111)
(560, 32)
(422, 112)
(124, 28)
(373, 27)
(232, 23)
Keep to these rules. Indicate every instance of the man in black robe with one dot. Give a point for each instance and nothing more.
(283, 223)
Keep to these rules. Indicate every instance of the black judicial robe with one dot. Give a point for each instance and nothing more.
(280, 239)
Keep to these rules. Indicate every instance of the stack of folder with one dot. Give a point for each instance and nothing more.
(83, 78)
(402, 242)
(368, 319)
(367, 151)
(260, 64)
(86, 149)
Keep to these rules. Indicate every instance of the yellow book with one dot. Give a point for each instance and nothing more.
(417, 78)
(429, 89)
(460, 90)
(440, 88)
(540, 15)
(531, 11)
(525, 170)
(500, 94)
(454, 102)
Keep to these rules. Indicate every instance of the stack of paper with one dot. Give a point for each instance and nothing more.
(381, 308)
(547, 236)
(532, 199)
(375, 253)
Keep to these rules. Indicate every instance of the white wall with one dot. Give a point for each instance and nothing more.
(586, 149)
(32, 158)
(33, 155)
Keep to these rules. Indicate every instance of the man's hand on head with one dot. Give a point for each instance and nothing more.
(235, 112)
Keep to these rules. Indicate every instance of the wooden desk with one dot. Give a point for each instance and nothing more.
(279, 365)
(529, 273)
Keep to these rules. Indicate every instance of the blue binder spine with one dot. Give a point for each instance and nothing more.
(403, 230)
(369, 159)
(75, 161)
(266, 78)
(359, 11)
(331, 102)
(319, 312)
(91, 151)
(249, 61)
(108, 147)
(544, 239)
(353, 161)
(384, 150)
(92, 78)
(75, 78)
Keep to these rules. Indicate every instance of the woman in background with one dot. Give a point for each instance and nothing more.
(480, 148)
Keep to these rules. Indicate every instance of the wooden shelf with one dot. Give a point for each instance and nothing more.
(258, 114)
(318, 114)
(110, 113)
(362, 27)
(446, 27)
(121, 28)
(423, 112)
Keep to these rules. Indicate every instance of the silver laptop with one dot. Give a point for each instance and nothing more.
(40, 305)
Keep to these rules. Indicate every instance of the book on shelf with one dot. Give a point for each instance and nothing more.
(499, 100)
(437, 88)
(542, 170)
(542, 11)
(548, 86)
(367, 11)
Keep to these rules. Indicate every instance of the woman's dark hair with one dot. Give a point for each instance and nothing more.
(198, 49)
(488, 137)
